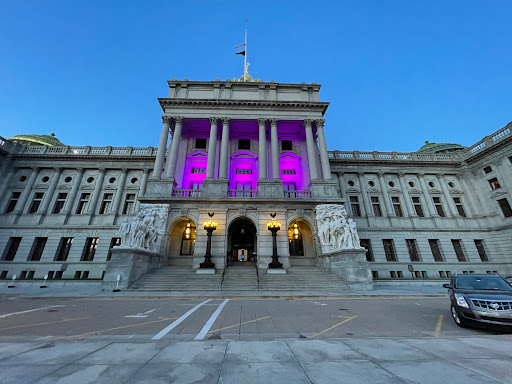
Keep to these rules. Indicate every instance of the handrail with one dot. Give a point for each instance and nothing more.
(257, 273)
(223, 274)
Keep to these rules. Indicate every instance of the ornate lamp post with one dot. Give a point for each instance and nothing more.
(209, 226)
(274, 226)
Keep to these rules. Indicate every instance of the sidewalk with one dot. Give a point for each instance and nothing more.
(473, 360)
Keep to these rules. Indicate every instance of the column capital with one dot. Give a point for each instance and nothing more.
(166, 119)
(273, 122)
(102, 170)
(35, 168)
(319, 123)
(441, 174)
(145, 170)
(421, 174)
(262, 121)
(79, 169)
(178, 119)
(124, 170)
(307, 123)
(360, 173)
(380, 173)
(225, 120)
(401, 174)
(213, 120)
(340, 173)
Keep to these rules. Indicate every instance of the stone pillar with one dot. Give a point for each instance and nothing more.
(210, 166)
(310, 147)
(51, 190)
(97, 191)
(385, 195)
(324, 156)
(224, 149)
(449, 198)
(142, 189)
(469, 196)
(408, 208)
(7, 182)
(168, 159)
(20, 207)
(367, 206)
(342, 184)
(262, 149)
(430, 203)
(175, 146)
(159, 161)
(119, 192)
(275, 149)
(74, 191)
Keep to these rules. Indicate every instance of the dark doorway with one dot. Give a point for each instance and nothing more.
(241, 242)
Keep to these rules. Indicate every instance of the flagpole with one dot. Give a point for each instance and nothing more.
(245, 56)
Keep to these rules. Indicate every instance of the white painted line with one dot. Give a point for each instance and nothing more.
(142, 315)
(211, 320)
(177, 322)
(31, 310)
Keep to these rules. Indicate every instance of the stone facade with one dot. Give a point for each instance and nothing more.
(245, 151)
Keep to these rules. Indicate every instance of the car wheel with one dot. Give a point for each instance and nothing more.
(459, 321)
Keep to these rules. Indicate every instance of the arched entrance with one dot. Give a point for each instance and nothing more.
(241, 242)
(300, 243)
(182, 243)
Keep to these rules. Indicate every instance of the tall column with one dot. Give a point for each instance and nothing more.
(175, 146)
(20, 207)
(324, 156)
(469, 195)
(51, 190)
(210, 166)
(142, 189)
(159, 161)
(409, 209)
(168, 159)
(97, 191)
(7, 182)
(342, 184)
(224, 148)
(74, 191)
(385, 195)
(430, 203)
(310, 147)
(449, 198)
(119, 192)
(366, 201)
(275, 149)
(262, 149)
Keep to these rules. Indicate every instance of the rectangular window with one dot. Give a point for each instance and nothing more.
(195, 185)
(396, 206)
(59, 204)
(457, 246)
(354, 203)
(106, 203)
(459, 206)
(12, 203)
(505, 207)
(494, 183)
(289, 186)
(417, 206)
(439, 206)
(366, 243)
(412, 249)
(11, 248)
(91, 243)
(488, 169)
(200, 143)
(389, 249)
(244, 144)
(436, 251)
(36, 202)
(83, 203)
(286, 145)
(129, 204)
(114, 242)
(63, 249)
(376, 206)
(481, 250)
(37, 249)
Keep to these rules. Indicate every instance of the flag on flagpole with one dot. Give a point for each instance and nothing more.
(241, 46)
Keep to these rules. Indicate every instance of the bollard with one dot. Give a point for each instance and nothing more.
(44, 282)
(12, 282)
(117, 284)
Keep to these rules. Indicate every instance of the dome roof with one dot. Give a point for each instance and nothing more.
(49, 140)
(440, 147)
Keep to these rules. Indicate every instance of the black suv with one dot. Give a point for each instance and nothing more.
(480, 298)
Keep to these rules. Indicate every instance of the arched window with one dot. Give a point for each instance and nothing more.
(295, 240)
(188, 240)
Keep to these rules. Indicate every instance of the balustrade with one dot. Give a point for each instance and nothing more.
(242, 193)
(187, 193)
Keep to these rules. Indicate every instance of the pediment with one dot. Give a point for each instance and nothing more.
(498, 193)
(456, 191)
(197, 154)
(415, 191)
(352, 190)
(435, 191)
(394, 190)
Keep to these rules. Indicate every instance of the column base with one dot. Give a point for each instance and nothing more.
(215, 188)
(324, 189)
(270, 188)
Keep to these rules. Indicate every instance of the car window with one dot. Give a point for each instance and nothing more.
(482, 283)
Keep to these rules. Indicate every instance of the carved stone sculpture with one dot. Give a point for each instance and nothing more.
(335, 229)
(146, 229)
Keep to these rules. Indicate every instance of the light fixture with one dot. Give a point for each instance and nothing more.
(210, 224)
(295, 231)
(187, 230)
(273, 224)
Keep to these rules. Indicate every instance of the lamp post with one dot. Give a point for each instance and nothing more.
(209, 226)
(274, 226)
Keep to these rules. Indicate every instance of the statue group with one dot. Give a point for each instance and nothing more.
(335, 229)
(146, 229)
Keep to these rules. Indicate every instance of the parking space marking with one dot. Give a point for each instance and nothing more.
(334, 326)
(211, 320)
(237, 325)
(48, 322)
(174, 324)
(437, 331)
(31, 310)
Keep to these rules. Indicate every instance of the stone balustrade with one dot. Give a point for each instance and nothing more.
(87, 151)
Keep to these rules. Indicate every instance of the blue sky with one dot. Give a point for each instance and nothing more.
(396, 72)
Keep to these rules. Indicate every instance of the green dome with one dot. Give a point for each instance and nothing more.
(440, 147)
(49, 140)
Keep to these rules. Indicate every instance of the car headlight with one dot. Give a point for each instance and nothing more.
(461, 300)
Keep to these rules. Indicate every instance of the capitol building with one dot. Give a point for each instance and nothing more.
(242, 155)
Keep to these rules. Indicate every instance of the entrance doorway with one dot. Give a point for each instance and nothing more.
(241, 243)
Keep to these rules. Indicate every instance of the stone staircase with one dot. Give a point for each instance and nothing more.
(178, 279)
(240, 278)
(302, 279)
